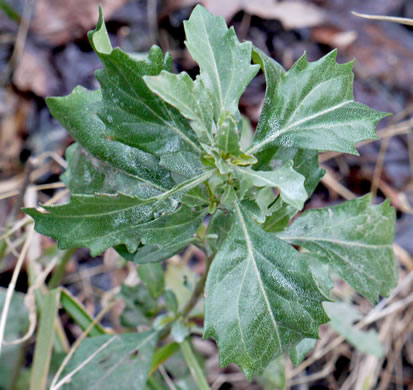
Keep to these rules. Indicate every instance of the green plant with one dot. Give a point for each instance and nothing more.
(157, 152)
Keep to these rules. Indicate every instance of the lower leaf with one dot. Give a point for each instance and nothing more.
(261, 298)
(355, 238)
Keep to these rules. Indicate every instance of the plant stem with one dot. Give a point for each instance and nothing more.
(61, 268)
(199, 288)
(194, 366)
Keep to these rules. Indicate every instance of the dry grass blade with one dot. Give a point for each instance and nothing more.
(12, 285)
(394, 19)
(331, 182)
(30, 303)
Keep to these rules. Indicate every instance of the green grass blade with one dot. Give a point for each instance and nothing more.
(194, 366)
(45, 340)
(79, 314)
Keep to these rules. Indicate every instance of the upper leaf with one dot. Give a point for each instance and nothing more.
(190, 97)
(312, 107)
(355, 238)
(261, 298)
(225, 63)
(289, 181)
(305, 163)
(124, 124)
(78, 113)
(101, 362)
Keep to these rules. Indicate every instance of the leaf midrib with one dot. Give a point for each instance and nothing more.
(143, 202)
(138, 99)
(254, 149)
(251, 258)
(334, 241)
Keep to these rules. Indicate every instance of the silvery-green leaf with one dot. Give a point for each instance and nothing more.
(97, 222)
(246, 133)
(273, 72)
(219, 226)
(320, 114)
(356, 240)
(102, 221)
(154, 253)
(286, 179)
(305, 163)
(78, 113)
(227, 137)
(343, 315)
(224, 62)
(88, 175)
(165, 236)
(261, 298)
(124, 124)
(190, 97)
(101, 362)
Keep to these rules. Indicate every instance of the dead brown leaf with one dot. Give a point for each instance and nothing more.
(60, 21)
(12, 124)
(34, 72)
(292, 13)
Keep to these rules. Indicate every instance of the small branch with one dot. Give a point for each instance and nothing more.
(199, 288)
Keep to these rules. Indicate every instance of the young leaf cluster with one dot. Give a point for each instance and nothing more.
(156, 152)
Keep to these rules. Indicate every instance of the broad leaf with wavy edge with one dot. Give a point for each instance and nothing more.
(312, 107)
(261, 298)
(225, 63)
(102, 221)
(355, 239)
(124, 124)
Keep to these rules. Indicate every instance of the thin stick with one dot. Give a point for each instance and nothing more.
(336, 342)
(379, 167)
(68, 376)
(394, 19)
(166, 378)
(331, 182)
(30, 302)
(27, 219)
(400, 128)
(199, 288)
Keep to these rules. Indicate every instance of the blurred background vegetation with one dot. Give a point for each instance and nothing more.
(44, 51)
